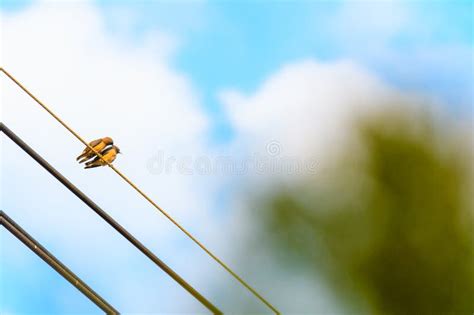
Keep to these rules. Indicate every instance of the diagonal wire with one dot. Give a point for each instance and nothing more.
(57, 265)
(154, 204)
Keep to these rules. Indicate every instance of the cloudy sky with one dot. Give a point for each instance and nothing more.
(181, 86)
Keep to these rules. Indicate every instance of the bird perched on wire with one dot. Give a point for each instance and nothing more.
(98, 146)
(108, 155)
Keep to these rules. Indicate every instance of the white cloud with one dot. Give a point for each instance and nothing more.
(307, 107)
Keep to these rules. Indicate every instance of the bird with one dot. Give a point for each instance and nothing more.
(108, 155)
(98, 146)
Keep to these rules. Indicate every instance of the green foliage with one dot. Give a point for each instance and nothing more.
(390, 226)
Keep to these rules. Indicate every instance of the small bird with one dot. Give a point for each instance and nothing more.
(98, 146)
(108, 155)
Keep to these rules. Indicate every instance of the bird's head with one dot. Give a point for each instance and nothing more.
(108, 140)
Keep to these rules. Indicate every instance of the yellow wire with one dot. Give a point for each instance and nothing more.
(220, 262)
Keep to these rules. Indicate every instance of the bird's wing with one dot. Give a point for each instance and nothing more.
(96, 159)
(107, 150)
(88, 153)
(95, 142)
(93, 161)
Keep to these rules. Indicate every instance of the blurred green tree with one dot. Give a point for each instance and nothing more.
(390, 226)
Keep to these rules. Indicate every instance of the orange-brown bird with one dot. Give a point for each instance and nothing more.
(108, 155)
(98, 145)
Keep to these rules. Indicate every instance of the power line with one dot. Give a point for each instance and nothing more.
(49, 258)
(107, 218)
(219, 261)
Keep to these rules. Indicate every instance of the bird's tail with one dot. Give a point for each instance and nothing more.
(91, 165)
(84, 158)
(83, 154)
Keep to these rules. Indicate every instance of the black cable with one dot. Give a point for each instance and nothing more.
(49, 258)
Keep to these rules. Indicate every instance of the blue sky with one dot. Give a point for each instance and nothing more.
(232, 43)
(239, 43)
(420, 47)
